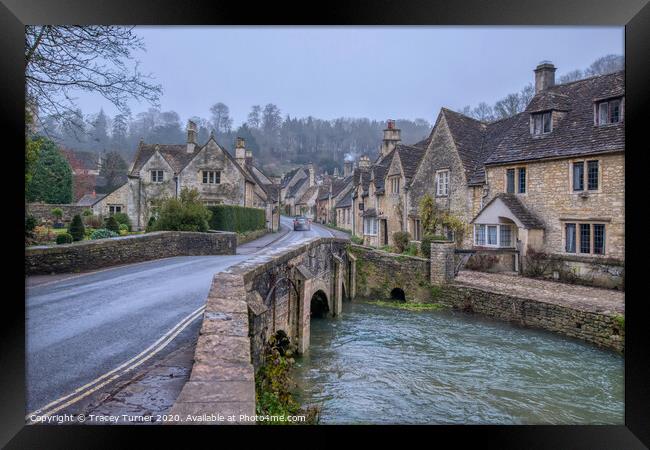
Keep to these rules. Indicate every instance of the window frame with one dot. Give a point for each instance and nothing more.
(367, 228)
(585, 162)
(482, 229)
(438, 179)
(114, 207)
(578, 244)
(539, 122)
(620, 101)
(517, 180)
(212, 176)
(159, 175)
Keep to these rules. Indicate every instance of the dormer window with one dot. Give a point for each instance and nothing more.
(542, 123)
(608, 112)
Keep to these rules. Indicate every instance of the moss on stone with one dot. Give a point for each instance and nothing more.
(409, 306)
(620, 321)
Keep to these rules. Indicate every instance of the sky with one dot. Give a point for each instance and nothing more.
(374, 72)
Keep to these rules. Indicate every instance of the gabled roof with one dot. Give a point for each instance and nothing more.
(345, 201)
(528, 219)
(575, 134)
(90, 199)
(410, 156)
(289, 175)
(296, 187)
(309, 193)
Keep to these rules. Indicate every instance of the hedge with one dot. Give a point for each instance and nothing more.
(237, 218)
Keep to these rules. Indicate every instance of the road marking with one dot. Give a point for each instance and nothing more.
(129, 365)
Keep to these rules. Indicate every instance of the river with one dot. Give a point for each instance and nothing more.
(383, 365)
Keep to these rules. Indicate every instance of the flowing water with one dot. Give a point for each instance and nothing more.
(378, 364)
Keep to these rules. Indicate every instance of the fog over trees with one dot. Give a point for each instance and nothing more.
(278, 141)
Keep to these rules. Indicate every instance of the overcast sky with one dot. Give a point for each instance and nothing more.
(374, 72)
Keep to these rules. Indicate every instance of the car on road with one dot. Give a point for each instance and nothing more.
(301, 223)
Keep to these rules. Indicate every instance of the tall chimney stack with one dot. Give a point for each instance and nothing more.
(191, 136)
(240, 151)
(249, 157)
(364, 162)
(312, 177)
(347, 169)
(391, 138)
(544, 76)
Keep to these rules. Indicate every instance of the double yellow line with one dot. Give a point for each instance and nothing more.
(108, 377)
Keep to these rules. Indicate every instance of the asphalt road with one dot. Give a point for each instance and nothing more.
(79, 327)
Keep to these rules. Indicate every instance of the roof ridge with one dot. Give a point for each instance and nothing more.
(618, 72)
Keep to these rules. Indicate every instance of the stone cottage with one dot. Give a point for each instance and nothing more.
(107, 204)
(556, 180)
(293, 187)
(162, 170)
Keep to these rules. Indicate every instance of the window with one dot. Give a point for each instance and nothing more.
(578, 176)
(510, 181)
(522, 180)
(599, 239)
(497, 235)
(157, 176)
(442, 182)
(590, 238)
(370, 226)
(505, 235)
(570, 237)
(590, 177)
(112, 209)
(542, 123)
(585, 240)
(394, 185)
(211, 177)
(608, 112)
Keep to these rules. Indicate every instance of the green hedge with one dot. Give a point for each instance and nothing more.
(237, 218)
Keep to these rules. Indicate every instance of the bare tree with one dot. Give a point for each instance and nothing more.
(483, 112)
(606, 64)
(221, 118)
(62, 59)
(574, 75)
(255, 116)
(507, 106)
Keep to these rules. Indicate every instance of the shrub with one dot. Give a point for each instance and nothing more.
(150, 224)
(57, 213)
(87, 212)
(64, 238)
(123, 219)
(111, 224)
(237, 218)
(186, 213)
(43, 234)
(103, 233)
(411, 250)
(30, 224)
(425, 243)
(401, 240)
(93, 221)
(356, 240)
(76, 228)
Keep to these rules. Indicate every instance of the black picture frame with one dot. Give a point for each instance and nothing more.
(633, 14)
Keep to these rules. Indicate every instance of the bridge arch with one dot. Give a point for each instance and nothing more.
(398, 294)
(319, 304)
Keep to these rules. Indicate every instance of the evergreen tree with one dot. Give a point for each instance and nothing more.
(113, 169)
(51, 180)
(112, 224)
(77, 229)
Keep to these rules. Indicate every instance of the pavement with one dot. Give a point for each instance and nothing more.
(87, 333)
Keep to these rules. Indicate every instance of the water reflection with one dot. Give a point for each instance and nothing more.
(384, 365)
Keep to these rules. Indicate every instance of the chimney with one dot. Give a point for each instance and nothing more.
(249, 157)
(391, 138)
(544, 76)
(191, 136)
(364, 162)
(240, 151)
(94, 194)
(312, 181)
(347, 169)
(336, 172)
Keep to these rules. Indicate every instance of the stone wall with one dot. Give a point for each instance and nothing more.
(603, 329)
(377, 273)
(89, 255)
(43, 211)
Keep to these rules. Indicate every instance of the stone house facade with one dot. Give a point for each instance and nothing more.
(563, 161)
(160, 171)
(293, 187)
(105, 205)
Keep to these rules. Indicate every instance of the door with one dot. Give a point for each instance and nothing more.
(385, 232)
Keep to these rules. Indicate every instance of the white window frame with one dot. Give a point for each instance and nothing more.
(578, 238)
(537, 125)
(442, 183)
(212, 176)
(157, 176)
(370, 226)
(477, 226)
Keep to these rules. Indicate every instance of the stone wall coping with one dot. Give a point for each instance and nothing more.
(389, 254)
(60, 248)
